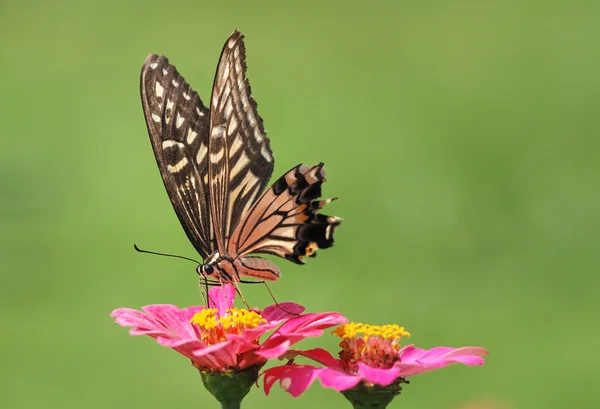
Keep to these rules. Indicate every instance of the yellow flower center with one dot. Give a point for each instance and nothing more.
(374, 345)
(215, 328)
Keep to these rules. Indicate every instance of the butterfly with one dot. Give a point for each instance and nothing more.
(215, 163)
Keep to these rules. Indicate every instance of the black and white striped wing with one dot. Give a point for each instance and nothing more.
(178, 124)
(240, 158)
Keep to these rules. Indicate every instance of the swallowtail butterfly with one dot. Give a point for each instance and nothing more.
(215, 163)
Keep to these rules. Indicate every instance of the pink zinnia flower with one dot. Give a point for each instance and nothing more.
(221, 337)
(371, 357)
(223, 340)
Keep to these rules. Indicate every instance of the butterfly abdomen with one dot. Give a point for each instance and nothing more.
(257, 267)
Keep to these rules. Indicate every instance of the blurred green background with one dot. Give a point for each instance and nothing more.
(462, 138)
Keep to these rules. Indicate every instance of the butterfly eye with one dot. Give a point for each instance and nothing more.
(208, 269)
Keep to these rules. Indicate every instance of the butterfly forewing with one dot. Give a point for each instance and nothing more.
(240, 158)
(178, 124)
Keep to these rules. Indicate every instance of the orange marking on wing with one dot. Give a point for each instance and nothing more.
(301, 218)
(311, 248)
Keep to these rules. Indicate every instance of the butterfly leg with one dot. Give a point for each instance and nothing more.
(239, 291)
(202, 291)
(203, 284)
(276, 303)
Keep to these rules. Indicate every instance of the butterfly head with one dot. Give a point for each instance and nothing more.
(205, 270)
(210, 266)
(219, 269)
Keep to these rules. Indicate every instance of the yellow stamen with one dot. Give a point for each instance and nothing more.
(375, 345)
(215, 328)
(388, 332)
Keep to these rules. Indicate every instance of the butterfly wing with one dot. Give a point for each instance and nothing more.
(240, 158)
(284, 221)
(178, 124)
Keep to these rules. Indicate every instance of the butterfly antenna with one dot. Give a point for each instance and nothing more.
(164, 254)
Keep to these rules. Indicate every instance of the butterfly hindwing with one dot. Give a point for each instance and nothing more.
(240, 158)
(178, 124)
(284, 221)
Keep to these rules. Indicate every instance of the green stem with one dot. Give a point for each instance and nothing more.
(231, 405)
(373, 396)
(231, 386)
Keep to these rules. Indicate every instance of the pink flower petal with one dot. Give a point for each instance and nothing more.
(221, 298)
(128, 317)
(178, 343)
(414, 361)
(132, 318)
(304, 326)
(274, 351)
(271, 376)
(250, 358)
(245, 341)
(312, 323)
(318, 355)
(284, 310)
(209, 349)
(294, 379)
(159, 320)
(467, 351)
(222, 353)
(378, 376)
(208, 361)
(188, 312)
(251, 334)
(338, 380)
(171, 317)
